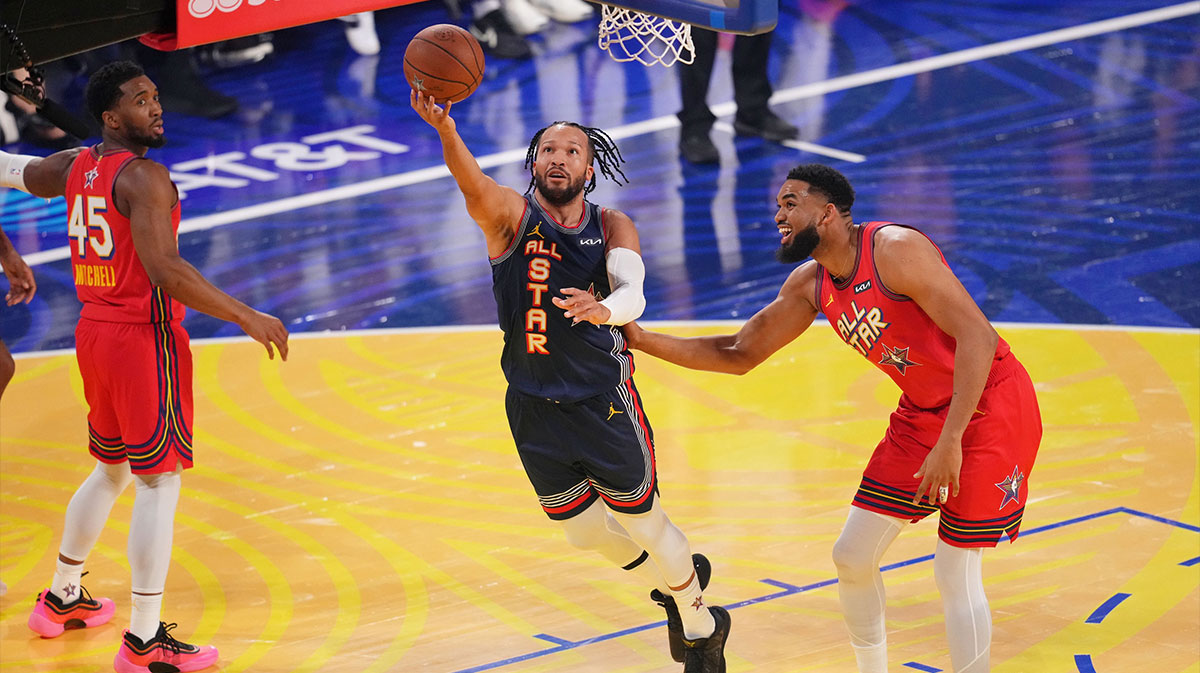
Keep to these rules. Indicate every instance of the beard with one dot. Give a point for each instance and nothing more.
(150, 140)
(558, 196)
(801, 247)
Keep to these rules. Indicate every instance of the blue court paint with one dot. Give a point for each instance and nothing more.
(1105, 608)
(923, 667)
(1083, 662)
(1190, 562)
(552, 639)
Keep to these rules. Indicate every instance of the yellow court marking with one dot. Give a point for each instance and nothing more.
(361, 508)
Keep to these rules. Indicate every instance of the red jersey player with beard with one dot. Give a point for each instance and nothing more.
(965, 434)
(123, 216)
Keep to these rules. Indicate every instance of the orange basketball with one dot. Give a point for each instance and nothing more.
(444, 61)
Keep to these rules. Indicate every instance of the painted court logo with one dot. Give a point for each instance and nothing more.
(202, 8)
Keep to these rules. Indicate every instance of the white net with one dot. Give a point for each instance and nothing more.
(628, 35)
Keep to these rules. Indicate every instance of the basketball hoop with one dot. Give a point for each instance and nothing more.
(629, 35)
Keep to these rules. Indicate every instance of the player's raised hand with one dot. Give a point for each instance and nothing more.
(581, 306)
(267, 330)
(435, 115)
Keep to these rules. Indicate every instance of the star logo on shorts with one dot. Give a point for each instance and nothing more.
(896, 357)
(1011, 486)
(91, 177)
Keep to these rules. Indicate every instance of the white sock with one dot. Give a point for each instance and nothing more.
(959, 575)
(151, 530)
(669, 549)
(864, 539)
(145, 616)
(66, 581)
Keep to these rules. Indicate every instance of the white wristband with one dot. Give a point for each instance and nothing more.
(626, 274)
(12, 170)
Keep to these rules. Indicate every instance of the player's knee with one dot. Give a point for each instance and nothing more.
(849, 559)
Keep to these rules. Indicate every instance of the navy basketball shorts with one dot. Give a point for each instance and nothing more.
(575, 452)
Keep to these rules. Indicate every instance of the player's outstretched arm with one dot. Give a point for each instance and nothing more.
(144, 191)
(21, 285)
(41, 176)
(772, 328)
(495, 208)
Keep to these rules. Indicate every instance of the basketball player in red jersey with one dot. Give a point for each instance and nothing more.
(123, 216)
(966, 432)
(575, 414)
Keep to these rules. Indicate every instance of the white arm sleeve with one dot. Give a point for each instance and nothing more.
(12, 170)
(626, 273)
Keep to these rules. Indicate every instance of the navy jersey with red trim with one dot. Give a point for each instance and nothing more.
(890, 329)
(544, 354)
(110, 280)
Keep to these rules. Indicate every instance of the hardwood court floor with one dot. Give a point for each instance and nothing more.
(360, 508)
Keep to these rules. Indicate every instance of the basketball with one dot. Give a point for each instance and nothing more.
(444, 61)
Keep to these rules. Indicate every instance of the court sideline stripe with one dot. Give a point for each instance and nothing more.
(875, 76)
(791, 590)
(654, 324)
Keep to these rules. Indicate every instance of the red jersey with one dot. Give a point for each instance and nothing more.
(889, 329)
(109, 277)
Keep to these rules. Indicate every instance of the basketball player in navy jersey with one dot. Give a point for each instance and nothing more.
(574, 412)
(964, 437)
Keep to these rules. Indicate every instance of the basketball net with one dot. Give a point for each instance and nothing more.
(628, 35)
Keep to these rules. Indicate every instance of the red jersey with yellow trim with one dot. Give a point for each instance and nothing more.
(890, 329)
(109, 277)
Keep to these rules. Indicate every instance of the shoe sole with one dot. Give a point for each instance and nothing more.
(197, 663)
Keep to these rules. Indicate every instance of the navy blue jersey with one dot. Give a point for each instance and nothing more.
(544, 355)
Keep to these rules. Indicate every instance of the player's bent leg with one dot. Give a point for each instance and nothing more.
(959, 575)
(669, 549)
(862, 543)
(66, 604)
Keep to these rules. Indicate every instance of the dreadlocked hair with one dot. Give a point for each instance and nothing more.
(602, 151)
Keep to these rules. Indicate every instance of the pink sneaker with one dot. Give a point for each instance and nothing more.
(51, 616)
(162, 654)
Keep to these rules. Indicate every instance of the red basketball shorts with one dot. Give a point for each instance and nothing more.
(999, 448)
(137, 379)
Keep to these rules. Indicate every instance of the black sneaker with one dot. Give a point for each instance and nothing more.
(497, 37)
(674, 621)
(707, 655)
(698, 148)
(769, 126)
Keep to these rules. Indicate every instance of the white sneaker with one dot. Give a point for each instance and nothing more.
(360, 33)
(564, 11)
(524, 18)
